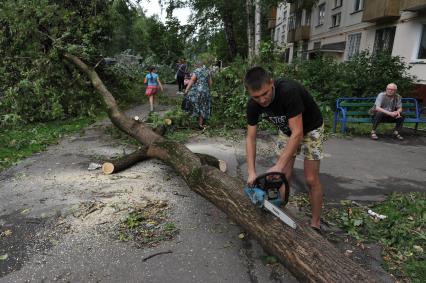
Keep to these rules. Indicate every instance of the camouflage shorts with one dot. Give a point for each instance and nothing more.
(311, 146)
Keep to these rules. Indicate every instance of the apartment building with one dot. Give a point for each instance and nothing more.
(342, 28)
(281, 29)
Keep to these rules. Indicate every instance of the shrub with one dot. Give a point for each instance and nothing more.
(325, 79)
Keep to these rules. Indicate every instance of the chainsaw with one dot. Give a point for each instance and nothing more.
(265, 193)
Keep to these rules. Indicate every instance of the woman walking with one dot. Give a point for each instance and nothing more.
(198, 91)
(153, 81)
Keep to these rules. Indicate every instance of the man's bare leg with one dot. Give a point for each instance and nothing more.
(288, 172)
(311, 169)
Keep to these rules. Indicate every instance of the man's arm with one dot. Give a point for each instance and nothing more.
(392, 114)
(251, 153)
(296, 127)
(191, 82)
(399, 106)
(378, 108)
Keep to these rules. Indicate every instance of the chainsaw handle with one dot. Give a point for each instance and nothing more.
(282, 178)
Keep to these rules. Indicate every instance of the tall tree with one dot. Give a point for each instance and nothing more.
(257, 26)
(250, 32)
(209, 14)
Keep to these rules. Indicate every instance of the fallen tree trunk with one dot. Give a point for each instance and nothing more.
(307, 255)
(123, 162)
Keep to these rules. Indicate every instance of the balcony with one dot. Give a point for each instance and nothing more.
(413, 5)
(271, 23)
(272, 18)
(381, 10)
(302, 33)
(290, 36)
(298, 5)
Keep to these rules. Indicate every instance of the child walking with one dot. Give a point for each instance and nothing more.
(153, 81)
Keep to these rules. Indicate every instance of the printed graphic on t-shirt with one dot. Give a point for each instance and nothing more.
(281, 122)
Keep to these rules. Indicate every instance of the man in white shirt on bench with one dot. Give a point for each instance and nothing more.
(388, 108)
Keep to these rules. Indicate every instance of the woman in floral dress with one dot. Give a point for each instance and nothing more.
(198, 91)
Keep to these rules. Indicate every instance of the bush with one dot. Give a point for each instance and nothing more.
(323, 77)
(363, 76)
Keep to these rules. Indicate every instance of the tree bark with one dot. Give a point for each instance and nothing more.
(250, 32)
(228, 26)
(306, 254)
(124, 162)
(257, 27)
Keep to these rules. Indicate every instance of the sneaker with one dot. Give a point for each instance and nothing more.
(374, 136)
(398, 136)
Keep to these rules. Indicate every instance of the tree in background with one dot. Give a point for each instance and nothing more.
(38, 85)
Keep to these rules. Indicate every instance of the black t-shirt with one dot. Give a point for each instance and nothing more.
(291, 99)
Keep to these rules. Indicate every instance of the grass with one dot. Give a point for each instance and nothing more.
(23, 141)
(402, 234)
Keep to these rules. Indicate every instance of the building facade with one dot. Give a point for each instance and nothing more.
(343, 28)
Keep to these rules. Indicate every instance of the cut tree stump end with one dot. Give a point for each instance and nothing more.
(108, 168)
(222, 165)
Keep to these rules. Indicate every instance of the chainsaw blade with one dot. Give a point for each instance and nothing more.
(279, 213)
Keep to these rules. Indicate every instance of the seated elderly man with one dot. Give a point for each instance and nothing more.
(388, 108)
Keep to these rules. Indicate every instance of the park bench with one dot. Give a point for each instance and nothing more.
(355, 110)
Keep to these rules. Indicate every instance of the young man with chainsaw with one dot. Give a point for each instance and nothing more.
(292, 109)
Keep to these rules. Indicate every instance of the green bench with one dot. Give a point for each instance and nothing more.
(355, 110)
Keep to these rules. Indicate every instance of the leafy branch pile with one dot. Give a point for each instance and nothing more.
(147, 225)
(402, 234)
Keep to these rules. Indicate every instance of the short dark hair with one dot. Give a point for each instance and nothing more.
(256, 77)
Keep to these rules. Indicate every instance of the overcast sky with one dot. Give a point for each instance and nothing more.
(153, 7)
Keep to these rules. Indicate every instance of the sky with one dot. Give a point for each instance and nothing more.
(152, 7)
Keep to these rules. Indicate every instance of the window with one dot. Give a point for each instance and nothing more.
(305, 51)
(291, 23)
(422, 47)
(317, 45)
(353, 44)
(321, 14)
(283, 34)
(308, 18)
(359, 4)
(298, 19)
(277, 34)
(384, 39)
(335, 20)
(337, 3)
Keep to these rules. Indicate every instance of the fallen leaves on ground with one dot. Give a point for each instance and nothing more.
(147, 225)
